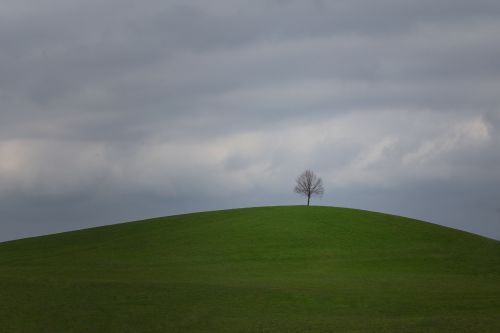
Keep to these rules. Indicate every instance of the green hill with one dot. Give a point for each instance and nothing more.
(275, 269)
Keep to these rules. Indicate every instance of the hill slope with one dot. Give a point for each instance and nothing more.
(289, 269)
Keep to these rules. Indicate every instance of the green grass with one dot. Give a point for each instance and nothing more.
(275, 269)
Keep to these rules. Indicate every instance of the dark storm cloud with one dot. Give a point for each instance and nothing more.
(120, 110)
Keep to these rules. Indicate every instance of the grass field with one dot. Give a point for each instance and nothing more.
(274, 269)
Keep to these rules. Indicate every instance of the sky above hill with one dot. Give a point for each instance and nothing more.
(119, 110)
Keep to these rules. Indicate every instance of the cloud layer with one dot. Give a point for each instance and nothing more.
(115, 110)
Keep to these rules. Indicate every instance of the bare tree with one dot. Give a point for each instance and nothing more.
(308, 184)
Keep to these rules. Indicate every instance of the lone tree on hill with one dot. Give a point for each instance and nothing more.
(308, 184)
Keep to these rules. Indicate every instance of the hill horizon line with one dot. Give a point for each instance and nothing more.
(242, 208)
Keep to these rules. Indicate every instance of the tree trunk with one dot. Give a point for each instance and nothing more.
(308, 198)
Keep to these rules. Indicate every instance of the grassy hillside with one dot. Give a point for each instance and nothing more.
(276, 269)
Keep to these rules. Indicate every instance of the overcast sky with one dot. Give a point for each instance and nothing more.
(119, 110)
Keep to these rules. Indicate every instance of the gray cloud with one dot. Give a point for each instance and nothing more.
(119, 110)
